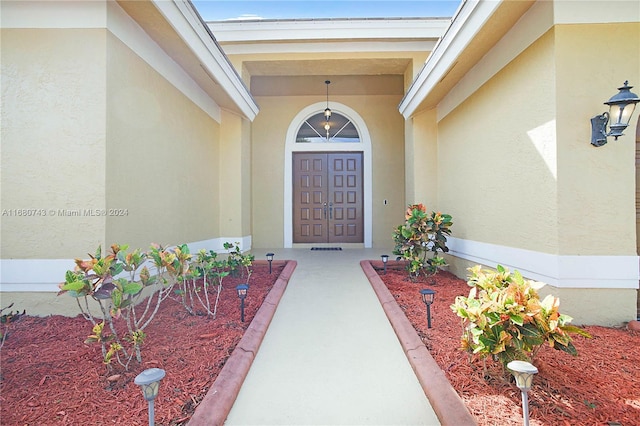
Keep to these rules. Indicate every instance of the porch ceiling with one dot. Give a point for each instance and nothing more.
(363, 66)
(359, 56)
(347, 76)
(344, 85)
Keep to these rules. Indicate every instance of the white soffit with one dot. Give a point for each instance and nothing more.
(267, 30)
(329, 47)
(467, 22)
(477, 26)
(188, 25)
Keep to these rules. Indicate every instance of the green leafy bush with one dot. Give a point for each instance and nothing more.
(194, 286)
(206, 271)
(116, 282)
(504, 318)
(239, 263)
(422, 234)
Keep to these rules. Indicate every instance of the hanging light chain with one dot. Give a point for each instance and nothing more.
(327, 111)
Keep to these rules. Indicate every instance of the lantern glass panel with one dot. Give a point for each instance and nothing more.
(621, 114)
(150, 391)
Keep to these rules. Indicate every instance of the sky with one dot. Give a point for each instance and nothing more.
(218, 10)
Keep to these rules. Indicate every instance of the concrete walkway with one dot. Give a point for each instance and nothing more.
(330, 356)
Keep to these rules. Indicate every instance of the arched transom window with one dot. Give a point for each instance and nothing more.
(316, 129)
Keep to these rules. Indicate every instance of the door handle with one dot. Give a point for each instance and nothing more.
(331, 211)
(325, 210)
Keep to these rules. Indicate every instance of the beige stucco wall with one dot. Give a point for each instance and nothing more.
(596, 186)
(421, 160)
(497, 172)
(516, 168)
(87, 125)
(386, 128)
(90, 126)
(162, 158)
(235, 176)
(53, 141)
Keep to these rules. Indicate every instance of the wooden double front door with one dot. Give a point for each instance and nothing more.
(327, 197)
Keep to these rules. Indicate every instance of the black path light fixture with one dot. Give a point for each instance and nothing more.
(385, 259)
(621, 106)
(149, 382)
(270, 259)
(523, 372)
(242, 294)
(427, 297)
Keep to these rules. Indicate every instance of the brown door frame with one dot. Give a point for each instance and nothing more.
(367, 167)
(328, 197)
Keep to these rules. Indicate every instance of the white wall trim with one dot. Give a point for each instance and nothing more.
(364, 146)
(44, 275)
(562, 271)
(217, 244)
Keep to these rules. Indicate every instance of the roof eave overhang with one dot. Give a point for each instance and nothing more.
(474, 19)
(466, 23)
(316, 30)
(202, 47)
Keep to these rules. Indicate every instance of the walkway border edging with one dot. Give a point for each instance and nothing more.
(216, 404)
(444, 400)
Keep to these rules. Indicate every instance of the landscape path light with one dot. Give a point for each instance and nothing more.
(242, 294)
(385, 259)
(149, 382)
(270, 259)
(427, 297)
(523, 372)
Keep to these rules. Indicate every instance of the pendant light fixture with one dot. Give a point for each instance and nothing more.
(327, 111)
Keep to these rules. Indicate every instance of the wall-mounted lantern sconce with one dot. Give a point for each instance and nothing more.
(270, 259)
(385, 259)
(149, 382)
(621, 106)
(427, 297)
(242, 294)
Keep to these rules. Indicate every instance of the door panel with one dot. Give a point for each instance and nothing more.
(309, 189)
(328, 200)
(345, 196)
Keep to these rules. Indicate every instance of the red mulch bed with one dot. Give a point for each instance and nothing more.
(601, 386)
(49, 376)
